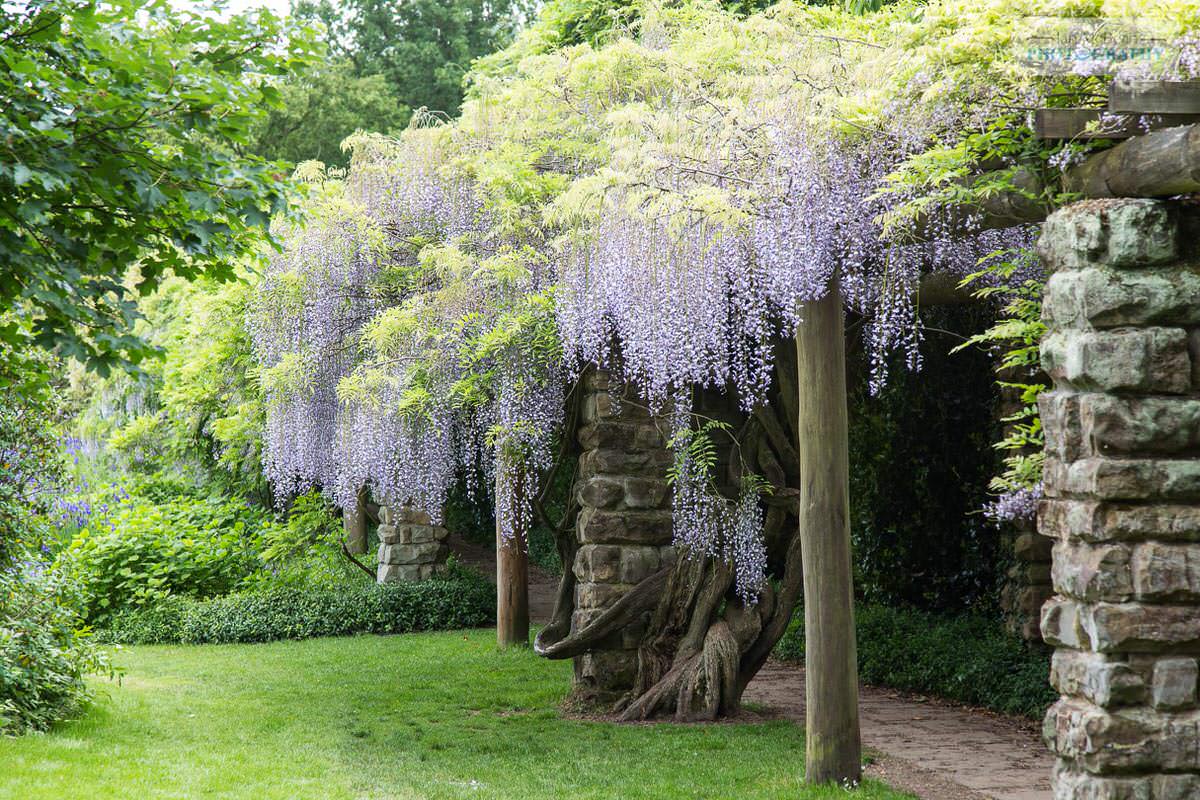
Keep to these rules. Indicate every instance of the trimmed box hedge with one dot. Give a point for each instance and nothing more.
(461, 601)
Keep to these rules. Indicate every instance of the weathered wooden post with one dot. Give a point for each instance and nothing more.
(832, 743)
(354, 521)
(512, 565)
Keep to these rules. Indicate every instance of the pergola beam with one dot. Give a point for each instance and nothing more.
(1162, 163)
(1159, 164)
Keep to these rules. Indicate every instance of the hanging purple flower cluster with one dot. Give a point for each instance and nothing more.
(704, 522)
(702, 307)
(670, 304)
(1018, 505)
(318, 295)
(313, 302)
(528, 414)
(683, 311)
(404, 410)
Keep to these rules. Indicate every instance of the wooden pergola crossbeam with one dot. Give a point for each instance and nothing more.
(1098, 123)
(1154, 97)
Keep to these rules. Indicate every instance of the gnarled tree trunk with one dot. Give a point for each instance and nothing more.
(655, 633)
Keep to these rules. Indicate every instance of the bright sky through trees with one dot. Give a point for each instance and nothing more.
(281, 7)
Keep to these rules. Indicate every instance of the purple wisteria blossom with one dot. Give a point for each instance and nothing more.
(1019, 505)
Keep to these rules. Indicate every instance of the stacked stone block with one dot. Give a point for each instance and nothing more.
(1027, 584)
(1123, 498)
(411, 548)
(623, 527)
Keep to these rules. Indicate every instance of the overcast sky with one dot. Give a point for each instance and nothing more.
(278, 6)
(237, 6)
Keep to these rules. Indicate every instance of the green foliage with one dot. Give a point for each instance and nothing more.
(321, 107)
(971, 659)
(210, 392)
(463, 600)
(140, 441)
(30, 459)
(566, 23)
(133, 552)
(162, 536)
(695, 446)
(198, 410)
(389, 59)
(305, 550)
(1018, 335)
(571, 22)
(45, 649)
(119, 134)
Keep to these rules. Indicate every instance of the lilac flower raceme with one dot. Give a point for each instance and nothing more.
(1019, 505)
(403, 332)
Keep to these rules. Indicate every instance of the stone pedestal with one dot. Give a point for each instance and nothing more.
(1123, 498)
(623, 528)
(410, 547)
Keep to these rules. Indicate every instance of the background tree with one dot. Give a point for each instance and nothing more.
(323, 106)
(117, 159)
(392, 57)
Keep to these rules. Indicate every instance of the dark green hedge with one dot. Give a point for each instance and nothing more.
(970, 659)
(462, 601)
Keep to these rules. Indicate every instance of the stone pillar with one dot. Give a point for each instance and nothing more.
(1123, 498)
(623, 528)
(1027, 581)
(411, 548)
(1024, 551)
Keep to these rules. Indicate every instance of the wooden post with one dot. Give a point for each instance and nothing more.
(354, 520)
(833, 748)
(512, 573)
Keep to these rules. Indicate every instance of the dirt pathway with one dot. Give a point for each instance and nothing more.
(932, 749)
(481, 557)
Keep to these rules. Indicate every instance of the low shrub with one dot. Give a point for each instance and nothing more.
(460, 600)
(137, 552)
(45, 650)
(305, 549)
(969, 658)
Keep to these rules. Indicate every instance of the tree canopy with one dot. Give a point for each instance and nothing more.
(389, 58)
(663, 203)
(323, 105)
(119, 133)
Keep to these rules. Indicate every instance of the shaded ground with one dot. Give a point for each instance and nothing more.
(482, 558)
(935, 750)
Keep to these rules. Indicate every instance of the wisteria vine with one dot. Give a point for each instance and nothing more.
(664, 209)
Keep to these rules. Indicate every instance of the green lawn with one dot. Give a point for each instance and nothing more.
(418, 716)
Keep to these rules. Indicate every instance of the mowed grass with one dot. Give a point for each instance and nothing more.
(419, 716)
